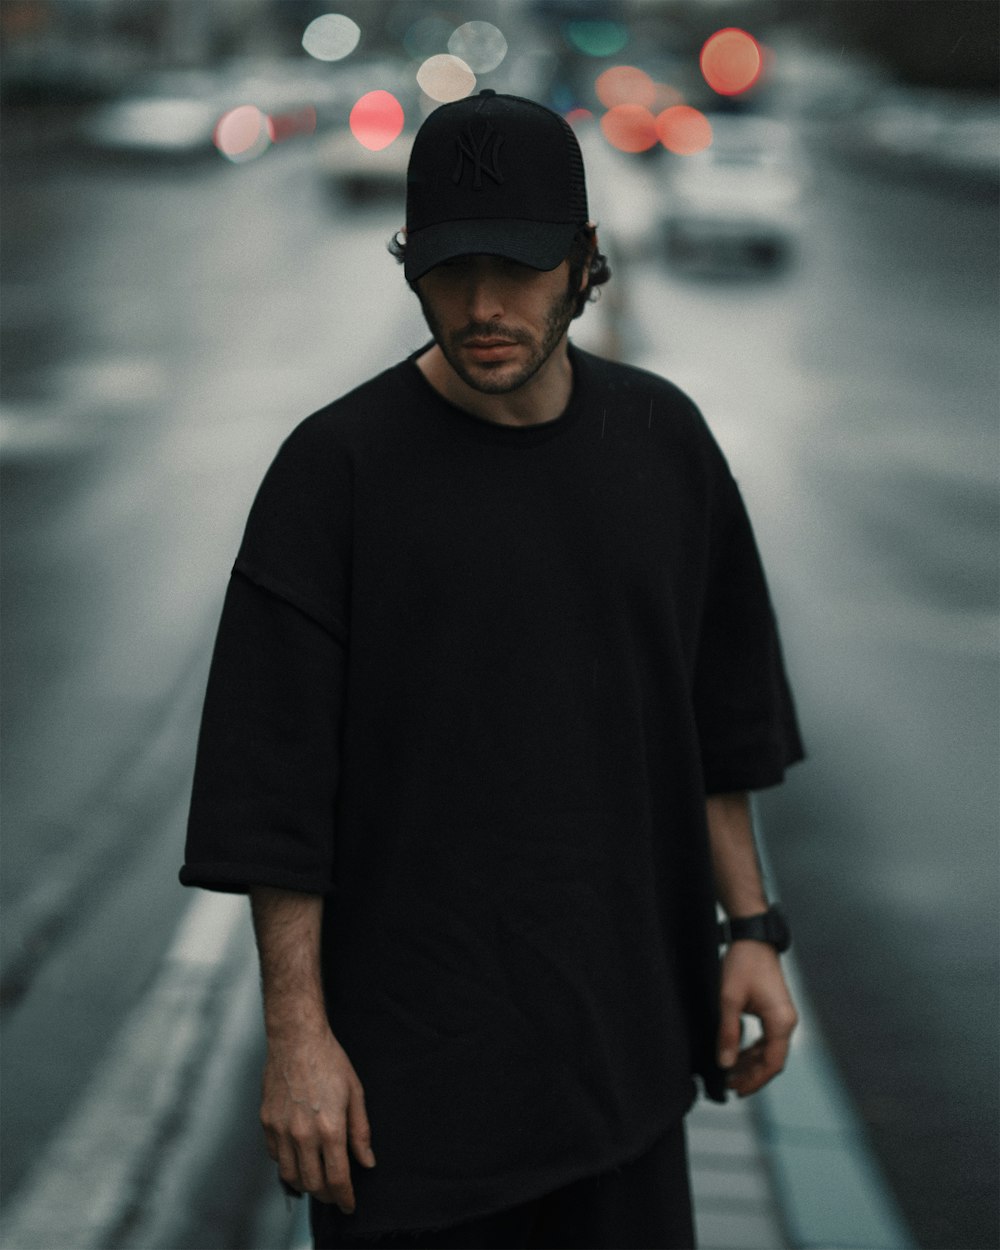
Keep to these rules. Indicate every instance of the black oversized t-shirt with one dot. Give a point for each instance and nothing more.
(473, 683)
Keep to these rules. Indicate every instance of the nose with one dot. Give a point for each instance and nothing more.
(483, 292)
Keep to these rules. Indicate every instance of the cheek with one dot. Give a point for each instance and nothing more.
(435, 302)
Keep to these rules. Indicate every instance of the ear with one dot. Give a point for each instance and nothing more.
(594, 247)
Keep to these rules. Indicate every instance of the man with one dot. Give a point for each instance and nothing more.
(496, 670)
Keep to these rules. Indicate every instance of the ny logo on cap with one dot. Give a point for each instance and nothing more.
(483, 155)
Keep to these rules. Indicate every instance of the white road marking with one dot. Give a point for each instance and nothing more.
(85, 1182)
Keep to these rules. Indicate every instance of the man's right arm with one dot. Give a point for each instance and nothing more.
(313, 1104)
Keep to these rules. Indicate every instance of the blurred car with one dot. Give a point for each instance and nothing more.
(356, 175)
(152, 125)
(174, 113)
(918, 132)
(735, 206)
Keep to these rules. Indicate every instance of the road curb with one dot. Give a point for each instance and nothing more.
(828, 1186)
(132, 1114)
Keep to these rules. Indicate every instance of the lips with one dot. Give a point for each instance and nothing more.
(487, 350)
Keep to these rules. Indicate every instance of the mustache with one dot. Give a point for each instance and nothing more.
(490, 330)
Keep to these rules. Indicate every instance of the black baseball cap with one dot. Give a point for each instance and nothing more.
(495, 175)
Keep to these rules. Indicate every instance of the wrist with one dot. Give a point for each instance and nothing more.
(298, 1019)
(769, 926)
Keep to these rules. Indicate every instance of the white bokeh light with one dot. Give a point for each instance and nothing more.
(331, 37)
(242, 134)
(479, 44)
(445, 78)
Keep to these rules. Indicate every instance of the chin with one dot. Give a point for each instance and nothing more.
(496, 381)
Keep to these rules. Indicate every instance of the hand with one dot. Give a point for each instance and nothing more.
(313, 1106)
(753, 984)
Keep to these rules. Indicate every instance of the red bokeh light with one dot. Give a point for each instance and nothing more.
(731, 61)
(282, 126)
(625, 84)
(684, 130)
(579, 116)
(377, 120)
(629, 128)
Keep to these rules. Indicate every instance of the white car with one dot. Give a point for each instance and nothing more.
(153, 125)
(735, 206)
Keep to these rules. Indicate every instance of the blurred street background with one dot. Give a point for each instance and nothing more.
(801, 218)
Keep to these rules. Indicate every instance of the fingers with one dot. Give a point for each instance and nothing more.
(314, 1161)
(288, 1167)
(354, 1131)
(314, 1118)
(753, 985)
(759, 1063)
(358, 1129)
(310, 1145)
(755, 1066)
(336, 1184)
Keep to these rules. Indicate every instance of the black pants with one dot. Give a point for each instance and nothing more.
(643, 1205)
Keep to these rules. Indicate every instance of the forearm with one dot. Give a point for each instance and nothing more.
(287, 925)
(739, 882)
(313, 1103)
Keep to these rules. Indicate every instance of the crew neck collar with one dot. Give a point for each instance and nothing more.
(495, 431)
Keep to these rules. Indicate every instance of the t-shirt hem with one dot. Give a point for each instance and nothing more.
(241, 878)
(556, 1179)
(725, 772)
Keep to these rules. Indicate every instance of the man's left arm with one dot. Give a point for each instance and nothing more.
(752, 980)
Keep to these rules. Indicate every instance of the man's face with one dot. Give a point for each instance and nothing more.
(496, 321)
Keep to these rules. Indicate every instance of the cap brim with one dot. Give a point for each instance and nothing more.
(540, 244)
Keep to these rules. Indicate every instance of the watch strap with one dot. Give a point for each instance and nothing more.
(769, 926)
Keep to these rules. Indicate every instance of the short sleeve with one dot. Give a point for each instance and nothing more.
(747, 725)
(265, 783)
(297, 541)
(264, 792)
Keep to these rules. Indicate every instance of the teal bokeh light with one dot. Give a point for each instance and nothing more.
(596, 38)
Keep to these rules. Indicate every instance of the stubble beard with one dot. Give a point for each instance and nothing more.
(499, 379)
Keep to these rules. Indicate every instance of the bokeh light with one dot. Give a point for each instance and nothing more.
(282, 126)
(331, 37)
(630, 127)
(595, 37)
(242, 134)
(445, 78)
(684, 130)
(479, 44)
(377, 120)
(579, 116)
(625, 84)
(731, 61)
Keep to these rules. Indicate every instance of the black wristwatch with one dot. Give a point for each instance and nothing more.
(769, 926)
